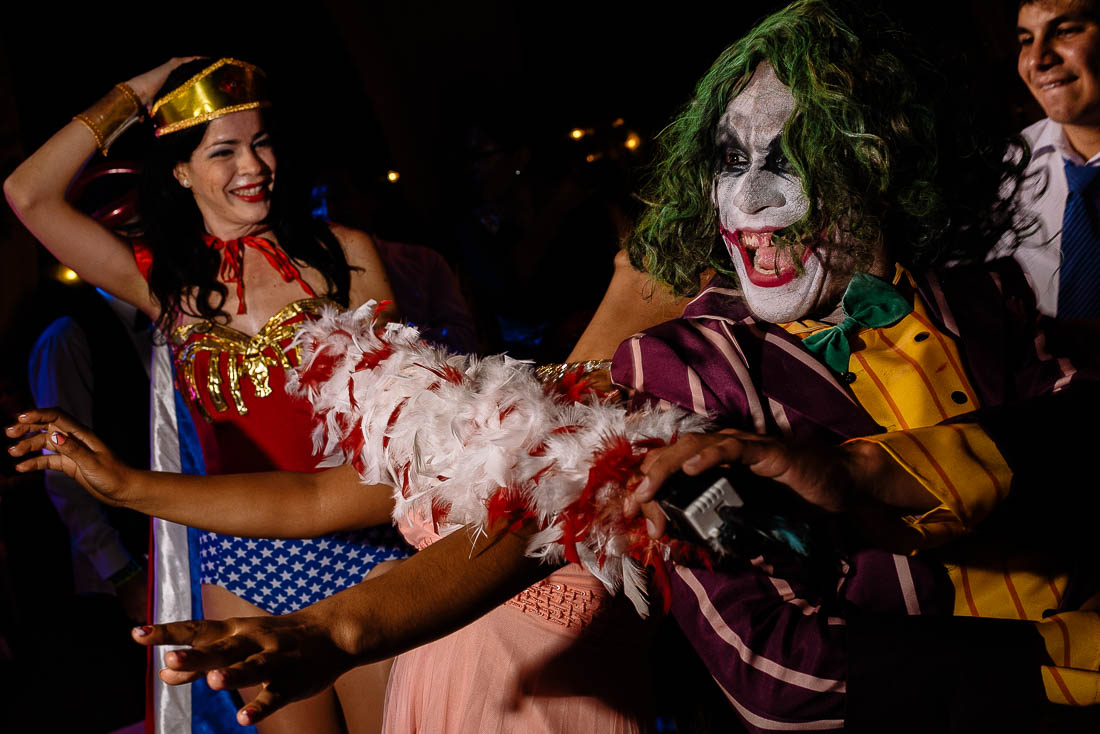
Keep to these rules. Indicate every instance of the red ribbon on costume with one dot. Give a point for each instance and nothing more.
(232, 269)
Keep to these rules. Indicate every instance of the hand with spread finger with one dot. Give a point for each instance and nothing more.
(440, 589)
(77, 452)
(292, 656)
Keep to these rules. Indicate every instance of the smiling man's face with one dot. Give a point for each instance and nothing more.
(1060, 59)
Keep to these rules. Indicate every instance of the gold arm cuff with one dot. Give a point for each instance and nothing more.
(551, 372)
(111, 116)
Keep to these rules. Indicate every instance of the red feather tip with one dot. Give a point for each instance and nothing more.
(440, 510)
(503, 503)
(572, 387)
(393, 419)
(320, 369)
(614, 463)
(447, 372)
(374, 357)
(569, 537)
(353, 441)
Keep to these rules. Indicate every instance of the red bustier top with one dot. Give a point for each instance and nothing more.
(235, 387)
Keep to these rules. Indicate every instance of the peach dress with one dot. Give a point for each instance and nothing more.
(562, 656)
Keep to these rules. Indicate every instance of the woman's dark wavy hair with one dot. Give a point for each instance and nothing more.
(182, 263)
(887, 149)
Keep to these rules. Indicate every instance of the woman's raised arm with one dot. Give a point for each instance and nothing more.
(36, 191)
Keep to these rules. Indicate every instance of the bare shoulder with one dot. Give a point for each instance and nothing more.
(368, 276)
(358, 245)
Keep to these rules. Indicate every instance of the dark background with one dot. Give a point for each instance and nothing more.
(435, 91)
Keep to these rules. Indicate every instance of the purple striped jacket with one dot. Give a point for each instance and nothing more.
(775, 645)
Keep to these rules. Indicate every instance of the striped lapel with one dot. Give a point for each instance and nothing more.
(791, 383)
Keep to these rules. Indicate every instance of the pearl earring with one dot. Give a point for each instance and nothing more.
(186, 183)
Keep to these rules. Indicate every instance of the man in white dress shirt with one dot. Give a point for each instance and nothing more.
(1060, 63)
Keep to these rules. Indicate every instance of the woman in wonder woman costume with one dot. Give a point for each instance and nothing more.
(230, 266)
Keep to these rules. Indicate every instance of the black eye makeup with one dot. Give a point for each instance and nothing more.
(777, 161)
(734, 159)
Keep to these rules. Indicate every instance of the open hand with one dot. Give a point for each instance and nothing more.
(79, 453)
(292, 657)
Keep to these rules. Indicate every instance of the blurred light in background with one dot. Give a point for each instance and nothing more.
(393, 176)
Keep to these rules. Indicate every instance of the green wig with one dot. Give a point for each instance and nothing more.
(883, 144)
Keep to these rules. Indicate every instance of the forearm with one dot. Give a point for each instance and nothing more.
(41, 181)
(440, 589)
(634, 301)
(265, 504)
(37, 190)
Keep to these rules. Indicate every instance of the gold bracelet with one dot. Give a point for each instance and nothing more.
(552, 372)
(111, 116)
(129, 92)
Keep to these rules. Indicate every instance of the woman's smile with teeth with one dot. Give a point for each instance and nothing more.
(255, 192)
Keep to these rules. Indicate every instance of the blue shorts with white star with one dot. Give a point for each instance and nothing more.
(282, 576)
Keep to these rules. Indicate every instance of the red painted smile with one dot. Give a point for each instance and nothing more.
(767, 266)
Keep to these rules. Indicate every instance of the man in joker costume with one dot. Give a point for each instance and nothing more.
(836, 362)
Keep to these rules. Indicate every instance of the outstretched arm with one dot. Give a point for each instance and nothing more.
(266, 504)
(437, 591)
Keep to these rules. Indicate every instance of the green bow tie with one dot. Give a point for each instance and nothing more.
(867, 303)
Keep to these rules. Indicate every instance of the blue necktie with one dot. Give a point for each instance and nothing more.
(1079, 279)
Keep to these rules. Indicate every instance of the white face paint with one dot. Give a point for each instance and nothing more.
(757, 194)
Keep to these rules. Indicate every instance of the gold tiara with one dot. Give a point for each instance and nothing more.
(224, 87)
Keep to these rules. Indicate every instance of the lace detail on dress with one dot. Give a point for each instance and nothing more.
(559, 603)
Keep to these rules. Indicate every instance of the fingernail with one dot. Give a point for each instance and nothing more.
(143, 630)
(650, 528)
(57, 438)
(247, 715)
(21, 417)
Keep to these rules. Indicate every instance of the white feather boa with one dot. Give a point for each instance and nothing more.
(463, 437)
